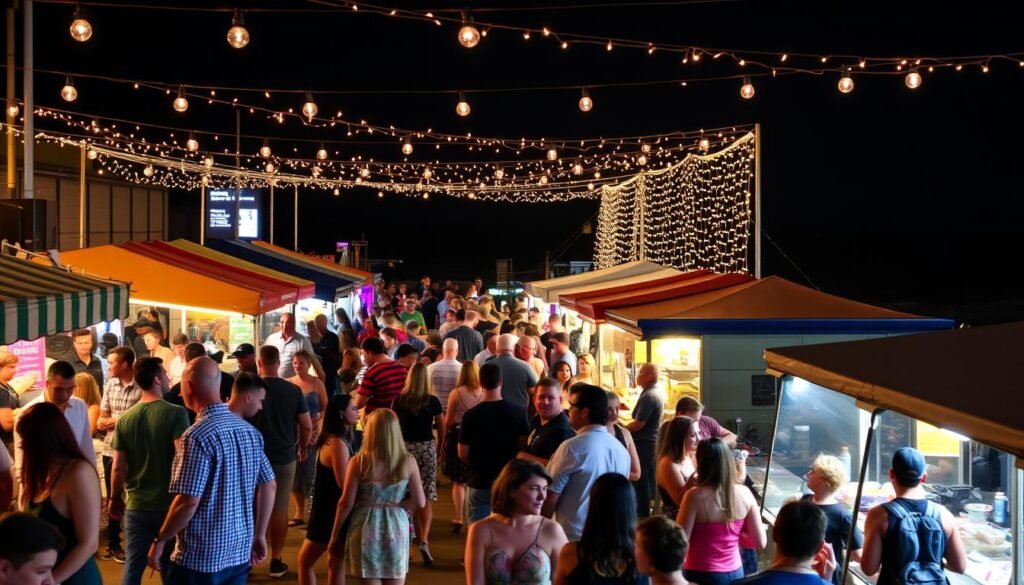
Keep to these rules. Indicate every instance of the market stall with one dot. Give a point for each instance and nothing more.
(212, 304)
(545, 292)
(336, 286)
(709, 344)
(953, 395)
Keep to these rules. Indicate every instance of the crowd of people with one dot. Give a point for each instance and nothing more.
(346, 431)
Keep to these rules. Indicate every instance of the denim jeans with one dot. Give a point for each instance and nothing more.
(479, 503)
(113, 526)
(180, 575)
(712, 578)
(140, 528)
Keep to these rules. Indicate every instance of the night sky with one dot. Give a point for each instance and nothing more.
(910, 199)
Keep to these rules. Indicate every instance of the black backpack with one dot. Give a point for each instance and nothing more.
(920, 544)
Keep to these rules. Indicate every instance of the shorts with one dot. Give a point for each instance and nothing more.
(285, 476)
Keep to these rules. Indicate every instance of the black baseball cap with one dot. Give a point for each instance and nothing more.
(243, 349)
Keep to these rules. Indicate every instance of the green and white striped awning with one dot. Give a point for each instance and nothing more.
(38, 300)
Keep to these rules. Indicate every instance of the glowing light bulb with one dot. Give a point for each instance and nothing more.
(499, 174)
(586, 104)
(359, 180)
(913, 80)
(316, 172)
(747, 89)
(13, 110)
(68, 92)
(91, 154)
(552, 154)
(148, 170)
(543, 179)
(426, 195)
(80, 29)
(462, 108)
(597, 174)
(180, 102)
(704, 144)
(380, 194)
(590, 186)
(471, 195)
(322, 153)
(265, 149)
(270, 168)
(309, 108)
(641, 160)
(364, 172)
(238, 35)
(192, 144)
(427, 173)
(469, 36)
(645, 148)
(407, 147)
(337, 192)
(845, 83)
(205, 180)
(577, 169)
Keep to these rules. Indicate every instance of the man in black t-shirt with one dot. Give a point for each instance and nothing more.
(550, 427)
(492, 433)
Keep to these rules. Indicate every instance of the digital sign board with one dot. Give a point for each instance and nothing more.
(220, 214)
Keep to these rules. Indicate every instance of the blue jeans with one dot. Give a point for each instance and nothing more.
(180, 575)
(479, 503)
(140, 528)
(710, 578)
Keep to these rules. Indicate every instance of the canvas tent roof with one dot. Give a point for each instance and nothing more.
(962, 380)
(767, 305)
(548, 290)
(354, 274)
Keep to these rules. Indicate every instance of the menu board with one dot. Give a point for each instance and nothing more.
(31, 360)
(220, 214)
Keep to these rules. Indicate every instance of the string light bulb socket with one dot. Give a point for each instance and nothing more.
(845, 83)
(586, 103)
(238, 35)
(309, 108)
(462, 108)
(747, 89)
(469, 35)
(81, 29)
(68, 92)
(265, 149)
(913, 79)
(181, 102)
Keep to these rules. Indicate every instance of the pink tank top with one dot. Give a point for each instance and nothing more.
(715, 547)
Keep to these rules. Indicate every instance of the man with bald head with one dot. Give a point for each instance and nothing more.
(517, 376)
(650, 407)
(217, 474)
(444, 373)
(288, 341)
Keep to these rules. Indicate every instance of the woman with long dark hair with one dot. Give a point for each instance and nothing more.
(715, 515)
(60, 486)
(333, 450)
(676, 470)
(604, 553)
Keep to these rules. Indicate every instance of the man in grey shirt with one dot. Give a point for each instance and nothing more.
(517, 376)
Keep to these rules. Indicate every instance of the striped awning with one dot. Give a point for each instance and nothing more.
(37, 300)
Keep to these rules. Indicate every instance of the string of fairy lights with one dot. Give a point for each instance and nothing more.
(695, 214)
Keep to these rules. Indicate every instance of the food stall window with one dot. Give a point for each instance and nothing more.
(679, 361)
(618, 360)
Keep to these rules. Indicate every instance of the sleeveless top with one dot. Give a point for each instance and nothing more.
(533, 567)
(620, 436)
(714, 546)
(584, 574)
(325, 489)
(464, 401)
(88, 573)
(313, 403)
(889, 573)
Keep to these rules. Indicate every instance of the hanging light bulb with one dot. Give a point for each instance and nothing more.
(270, 168)
(704, 144)
(469, 36)
(322, 153)
(577, 169)
(148, 170)
(265, 149)
(407, 147)
(309, 108)
(913, 79)
(359, 180)
(180, 102)
(845, 83)
(91, 154)
(552, 154)
(81, 30)
(543, 179)
(337, 192)
(208, 162)
(597, 174)
(586, 104)
(380, 194)
(238, 35)
(427, 173)
(499, 174)
(747, 89)
(641, 160)
(645, 148)
(192, 144)
(462, 108)
(590, 186)
(364, 172)
(471, 195)
(316, 172)
(68, 92)
(13, 110)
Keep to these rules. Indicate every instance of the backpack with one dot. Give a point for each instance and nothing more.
(920, 544)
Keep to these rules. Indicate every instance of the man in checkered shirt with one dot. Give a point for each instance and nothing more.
(218, 472)
(119, 394)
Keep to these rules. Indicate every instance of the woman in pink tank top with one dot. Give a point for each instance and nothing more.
(716, 517)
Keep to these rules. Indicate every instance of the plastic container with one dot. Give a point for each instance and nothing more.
(1000, 509)
(977, 513)
(844, 456)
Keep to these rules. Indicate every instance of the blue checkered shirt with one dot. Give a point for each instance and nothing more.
(221, 462)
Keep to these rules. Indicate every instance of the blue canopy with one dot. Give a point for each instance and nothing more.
(330, 286)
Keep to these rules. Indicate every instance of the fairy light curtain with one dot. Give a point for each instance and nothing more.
(693, 215)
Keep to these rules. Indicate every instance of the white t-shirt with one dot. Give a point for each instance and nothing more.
(77, 415)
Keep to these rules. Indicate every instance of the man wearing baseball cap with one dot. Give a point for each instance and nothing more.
(245, 354)
(884, 540)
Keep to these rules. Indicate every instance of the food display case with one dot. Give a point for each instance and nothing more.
(863, 413)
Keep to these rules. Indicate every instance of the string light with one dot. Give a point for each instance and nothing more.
(321, 153)
(180, 102)
(238, 35)
(462, 108)
(645, 148)
(407, 147)
(309, 109)
(270, 168)
(469, 35)
(747, 89)
(81, 29)
(208, 161)
(265, 151)
(586, 104)
(846, 83)
(91, 154)
(192, 144)
(641, 160)
(704, 145)
(148, 170)
(913, 79)
(499, 174)
(68, 93)
(552, 154)
(427, 173)
(577, 169)
(13, 110)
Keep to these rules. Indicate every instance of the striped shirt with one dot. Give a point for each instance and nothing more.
(443, 376)
(221, 462)
(382, 382)
(117, 399)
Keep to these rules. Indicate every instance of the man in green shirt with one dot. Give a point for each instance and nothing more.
(145, 440)
(411, 314)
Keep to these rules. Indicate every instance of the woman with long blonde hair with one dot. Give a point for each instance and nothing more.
(88, 390)
(376, 483)
(419, 415)
(466, 395)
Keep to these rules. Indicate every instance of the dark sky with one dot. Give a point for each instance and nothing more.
(904, 198)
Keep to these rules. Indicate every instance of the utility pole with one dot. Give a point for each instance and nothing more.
(12, 158)
(28, 155)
